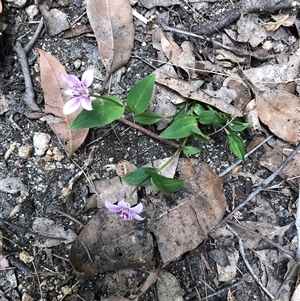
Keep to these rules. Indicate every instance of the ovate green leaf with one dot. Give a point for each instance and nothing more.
(166, 185)
(239, 126)
(139, 97)
(180, 128)
(236, 145)
(106, 109)
(140, 176)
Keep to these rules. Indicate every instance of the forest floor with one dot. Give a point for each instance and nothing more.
(46, 198)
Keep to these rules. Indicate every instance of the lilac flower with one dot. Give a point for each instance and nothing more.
(124, 209)
(79, 90)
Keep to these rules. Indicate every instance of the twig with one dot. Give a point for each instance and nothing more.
(237, 51)
(242, 252)
(29, 97)
(149, 133)
(34, 37)
(263, 185)
(296, 262)
(230, 168)
(279, 247)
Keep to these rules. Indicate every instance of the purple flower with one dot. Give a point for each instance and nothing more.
(124, 209)
(79, 90)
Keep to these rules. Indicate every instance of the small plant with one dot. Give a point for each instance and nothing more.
(102, 110)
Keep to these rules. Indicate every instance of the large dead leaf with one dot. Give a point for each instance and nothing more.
(279, 110)
(112, 24)
(51, 70)
(219, 99)
(179, 222)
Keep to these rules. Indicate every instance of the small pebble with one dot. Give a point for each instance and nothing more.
(77, 63)
(32, 11)
(40, 143)
(25, 151)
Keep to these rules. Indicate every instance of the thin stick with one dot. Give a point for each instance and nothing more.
(263, 185)
(34, 37)
(230, 168)
(149, 133)
(238, 51)
(279, 247)
(242, 252)
(29, 97)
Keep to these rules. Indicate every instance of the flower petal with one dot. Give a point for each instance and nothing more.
(137, 209)
(87, 78)
(71, 105)
(138, 218)
(71, 80)
(124, 204)
(86, 103)
(113, 208)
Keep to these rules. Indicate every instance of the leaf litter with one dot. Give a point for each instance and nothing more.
(132, 244)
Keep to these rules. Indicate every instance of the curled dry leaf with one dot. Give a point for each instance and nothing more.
(107, 243)
(112, 24)
(51, 70)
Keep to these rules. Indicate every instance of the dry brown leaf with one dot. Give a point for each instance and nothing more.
(219, 99)
(275, 156)
(108, 243)
(170, 48)
(112, 24)
(51, 70)
(279, 110)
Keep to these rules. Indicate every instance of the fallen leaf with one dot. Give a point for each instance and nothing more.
(12, 185)
(170, 48)
(219, 99)
(112, 24)
(54, 234)
(107, 243)
(51, 70)
(250, 30)
(269, 75)
(274, 157)
(168, 287)
(279, 110)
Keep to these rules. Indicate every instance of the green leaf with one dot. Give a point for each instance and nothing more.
(239, 126)
(190, 150)
(199, 135)
(180, 128)
(166, 185)
(140, 176)
(148, 118)
(211, 117)
(139, 96)
(106, 109)
(236, 145)
(198, 109)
